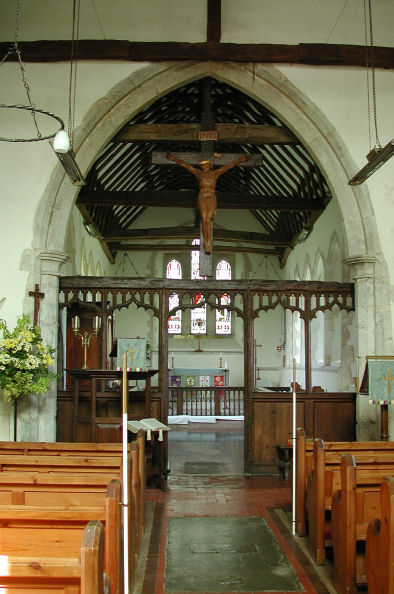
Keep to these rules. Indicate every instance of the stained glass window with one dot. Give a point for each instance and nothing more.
(199, 315)
(223, 316)
(174, 270)
(223, 270)
(195, 261)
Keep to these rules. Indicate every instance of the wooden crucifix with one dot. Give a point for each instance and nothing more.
(37, 297)
(206, 176)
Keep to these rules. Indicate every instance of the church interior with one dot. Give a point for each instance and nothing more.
(189, 218)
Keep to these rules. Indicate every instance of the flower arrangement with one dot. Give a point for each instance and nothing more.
(24, 360)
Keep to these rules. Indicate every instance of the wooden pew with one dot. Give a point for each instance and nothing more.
(74, 464)
(83, 571)
(324, 479)
(304, 464)
(24, 488)
(59, 448)
(56, 531)
(379, 555)
(74, 458)
(353, 507)
(80, 450)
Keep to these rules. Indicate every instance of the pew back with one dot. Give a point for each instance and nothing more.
(379, 555)
(353, 507)
(82, 572)
(325, 479)
(56, 531)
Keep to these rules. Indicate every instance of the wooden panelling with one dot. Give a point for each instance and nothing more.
(327, 415)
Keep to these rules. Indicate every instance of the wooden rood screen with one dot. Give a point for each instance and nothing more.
(103, 296)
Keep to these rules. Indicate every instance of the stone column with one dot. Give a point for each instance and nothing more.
(362, 273)
(37, 413)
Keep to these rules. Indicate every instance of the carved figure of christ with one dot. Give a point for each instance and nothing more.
(207, 202)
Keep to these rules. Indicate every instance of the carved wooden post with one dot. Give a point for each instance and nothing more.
(248, 372)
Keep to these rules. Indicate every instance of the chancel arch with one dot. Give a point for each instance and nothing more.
(266, 85)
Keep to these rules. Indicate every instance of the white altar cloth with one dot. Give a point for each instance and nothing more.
(185, 419)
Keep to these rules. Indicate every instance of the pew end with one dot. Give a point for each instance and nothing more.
(379, 555)
(84, 573)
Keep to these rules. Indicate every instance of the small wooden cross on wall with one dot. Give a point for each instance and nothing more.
(37, 297)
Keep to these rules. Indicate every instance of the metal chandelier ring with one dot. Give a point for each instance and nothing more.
(34, 110)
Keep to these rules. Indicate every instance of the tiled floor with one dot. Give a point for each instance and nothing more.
(229, 494)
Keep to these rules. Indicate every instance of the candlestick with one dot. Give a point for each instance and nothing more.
(96, 323)
(221, 361)
(85, 336)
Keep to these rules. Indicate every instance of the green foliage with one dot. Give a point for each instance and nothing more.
(24, 360)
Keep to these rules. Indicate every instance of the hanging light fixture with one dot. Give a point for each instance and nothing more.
(62, 143)
(14, 49)
(378, 155)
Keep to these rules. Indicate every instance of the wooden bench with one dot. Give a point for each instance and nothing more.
(74, 464)
(25, 488)
(56, 531)
(81, 450)
(82, 571)
(304, 464)
(379, 555)
(66, 459)
(324, 479)
(353, 507)
(26, 448)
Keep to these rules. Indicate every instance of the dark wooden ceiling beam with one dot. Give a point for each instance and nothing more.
(214, 20)
(223, 249)
(90, 221)
(317, 54)
(234, 133)
(187, 199)
(188, 232)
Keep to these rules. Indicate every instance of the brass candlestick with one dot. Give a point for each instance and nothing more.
(86, 336)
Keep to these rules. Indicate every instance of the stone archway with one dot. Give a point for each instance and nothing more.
(266, 85)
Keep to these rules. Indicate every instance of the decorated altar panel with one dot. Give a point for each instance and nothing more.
(137, 349)
(189, 377)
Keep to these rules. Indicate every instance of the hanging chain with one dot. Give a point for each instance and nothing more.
(377, 142)
(367, 70)
(73, 69)
(15, 48)
(31, 107)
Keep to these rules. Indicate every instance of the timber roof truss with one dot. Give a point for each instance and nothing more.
(286, 194)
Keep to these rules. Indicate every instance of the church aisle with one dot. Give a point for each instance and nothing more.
(206, 514)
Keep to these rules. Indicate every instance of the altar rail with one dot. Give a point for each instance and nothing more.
(228, 401)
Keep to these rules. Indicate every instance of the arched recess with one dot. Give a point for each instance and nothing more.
(265, 84)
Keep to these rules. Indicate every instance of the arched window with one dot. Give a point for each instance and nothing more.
(198, 315)
(223, 316)
(174, 271)
(195, 261)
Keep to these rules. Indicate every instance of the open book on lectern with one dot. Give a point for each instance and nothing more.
(148, 425)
